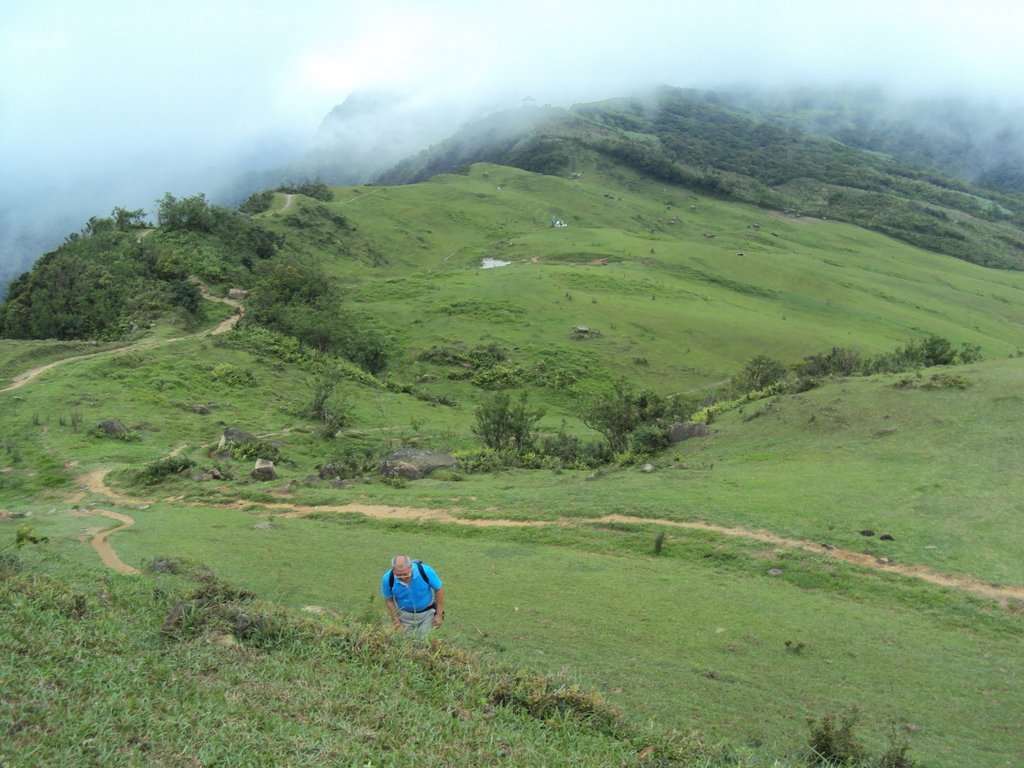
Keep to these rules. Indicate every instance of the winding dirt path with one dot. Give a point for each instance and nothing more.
(22, 379)
(97, 537)
(95, 482)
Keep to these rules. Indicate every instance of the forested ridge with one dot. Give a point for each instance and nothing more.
(699, 140)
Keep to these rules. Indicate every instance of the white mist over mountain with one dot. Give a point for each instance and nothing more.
(112, 103)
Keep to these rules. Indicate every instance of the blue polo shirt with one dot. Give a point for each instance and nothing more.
(417, 595)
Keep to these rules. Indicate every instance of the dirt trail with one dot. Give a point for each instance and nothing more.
(373, 191)
(98, 539)
(22, 379)
(95, 482)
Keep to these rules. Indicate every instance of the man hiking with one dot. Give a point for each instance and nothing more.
(413, 595)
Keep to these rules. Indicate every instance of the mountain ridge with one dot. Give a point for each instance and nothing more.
(698, 140)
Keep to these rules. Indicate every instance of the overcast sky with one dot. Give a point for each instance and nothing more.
(113, 102)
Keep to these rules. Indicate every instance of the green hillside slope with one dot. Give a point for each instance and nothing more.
(693, 285)
(745, 595)
(727, 147)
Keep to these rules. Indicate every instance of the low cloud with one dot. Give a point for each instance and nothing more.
(113, 103)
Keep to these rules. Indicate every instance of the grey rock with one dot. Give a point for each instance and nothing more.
(233, 436)
(415, 463)
(112, 427)
(686, 430)
(264, 470)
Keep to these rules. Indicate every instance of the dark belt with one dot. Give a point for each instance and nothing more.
(422, 610)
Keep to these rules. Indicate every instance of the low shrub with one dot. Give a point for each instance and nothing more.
(158, 470)
(648, 440)
(257, 449)
(233, 376)
(349, 462)
(833, 741)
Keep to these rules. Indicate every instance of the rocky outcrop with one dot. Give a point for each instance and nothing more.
(684, 431)
(112, 427)
(415, 463)
(264, 470)
(234, 436)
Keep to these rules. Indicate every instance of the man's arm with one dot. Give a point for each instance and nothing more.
(439, 607)
(389, 603)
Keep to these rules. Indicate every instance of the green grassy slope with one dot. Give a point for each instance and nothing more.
(94, 674)
(695, 305)
(744, 152)
(933, 462)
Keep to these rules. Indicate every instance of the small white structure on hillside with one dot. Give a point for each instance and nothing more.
(557, 222)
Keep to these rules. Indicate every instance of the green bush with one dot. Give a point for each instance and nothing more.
(163, 468)
(233, 376)
(619, 410)
(759, 372)
(314, 188)
(506, 425)
(349, 461)
(481, 460)
(499, 377)
(331, 407)
(257, 202)
(647, 441)
(833, 741)
(256, 449)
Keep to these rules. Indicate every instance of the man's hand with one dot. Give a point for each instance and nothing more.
(438, 618)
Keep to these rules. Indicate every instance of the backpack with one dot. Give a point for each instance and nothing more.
(419, 565)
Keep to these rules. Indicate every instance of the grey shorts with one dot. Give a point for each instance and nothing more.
(417, 623)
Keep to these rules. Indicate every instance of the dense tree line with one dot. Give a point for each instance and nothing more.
(295, 297)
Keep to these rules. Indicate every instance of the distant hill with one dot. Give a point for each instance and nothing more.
(740, 150)
(979, 142)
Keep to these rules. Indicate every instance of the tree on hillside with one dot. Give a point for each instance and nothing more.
(125, 219)
(64, 297)
(759, 372)
(506, 425)
(191, 213)
(619, 410)
(294, 296)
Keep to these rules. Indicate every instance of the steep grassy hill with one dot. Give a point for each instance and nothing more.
(730, 148)
(683, 288)
(724, 585)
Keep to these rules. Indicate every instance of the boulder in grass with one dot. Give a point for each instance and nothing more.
(415, 463)
(112, 427)
(264, 470)
(684, 431)
(234, 436)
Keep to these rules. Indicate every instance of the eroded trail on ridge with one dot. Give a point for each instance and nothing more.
(95, 482)
(224, 326)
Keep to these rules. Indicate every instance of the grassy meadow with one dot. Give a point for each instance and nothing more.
(734, 638)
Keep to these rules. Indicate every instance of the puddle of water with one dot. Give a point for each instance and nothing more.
(492, 263)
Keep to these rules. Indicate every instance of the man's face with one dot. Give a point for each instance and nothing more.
(403, 570)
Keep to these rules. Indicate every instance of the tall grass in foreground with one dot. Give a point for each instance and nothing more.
(177, 668)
